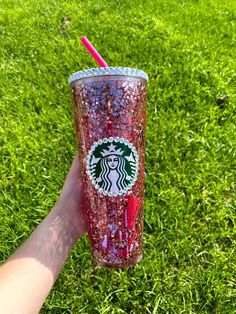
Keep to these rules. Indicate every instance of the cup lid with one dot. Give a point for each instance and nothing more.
(107, 71)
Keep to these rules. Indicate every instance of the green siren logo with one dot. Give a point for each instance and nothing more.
(112, 166)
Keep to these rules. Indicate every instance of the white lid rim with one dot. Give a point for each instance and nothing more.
(119, 71)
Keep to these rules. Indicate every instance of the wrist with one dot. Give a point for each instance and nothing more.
(73, 225)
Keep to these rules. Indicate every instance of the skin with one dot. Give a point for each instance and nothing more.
(28, 275)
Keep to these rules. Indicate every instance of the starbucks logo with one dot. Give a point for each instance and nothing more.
(112, 166)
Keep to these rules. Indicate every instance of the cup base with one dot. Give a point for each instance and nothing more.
(113, 265)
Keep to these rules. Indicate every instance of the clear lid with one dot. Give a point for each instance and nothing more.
(107, 71)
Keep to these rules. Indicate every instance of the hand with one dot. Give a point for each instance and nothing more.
(28, 275)
(69, 204)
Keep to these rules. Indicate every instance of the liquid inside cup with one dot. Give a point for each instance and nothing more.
(110, 120)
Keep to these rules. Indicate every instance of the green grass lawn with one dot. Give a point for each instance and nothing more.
(188, 48)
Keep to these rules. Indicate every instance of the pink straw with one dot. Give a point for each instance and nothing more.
(87, 44)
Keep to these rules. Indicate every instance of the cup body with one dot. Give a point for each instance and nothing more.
(110, 122)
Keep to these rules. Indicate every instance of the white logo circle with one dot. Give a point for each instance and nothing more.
(112, 166)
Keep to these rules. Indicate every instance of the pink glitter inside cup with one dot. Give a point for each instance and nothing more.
(110, 120)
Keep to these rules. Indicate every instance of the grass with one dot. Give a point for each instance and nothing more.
(188, 50)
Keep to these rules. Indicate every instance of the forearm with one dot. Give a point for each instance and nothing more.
(28, 275)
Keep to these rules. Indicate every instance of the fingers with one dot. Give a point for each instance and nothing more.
(74, 172)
